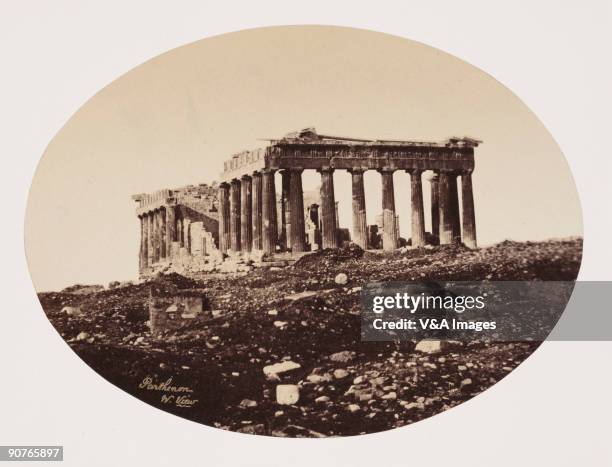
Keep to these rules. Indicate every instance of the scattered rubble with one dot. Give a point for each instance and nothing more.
(313, 376)
(80, 289)
(342, 357)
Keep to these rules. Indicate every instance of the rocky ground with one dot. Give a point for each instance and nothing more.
(278, 351)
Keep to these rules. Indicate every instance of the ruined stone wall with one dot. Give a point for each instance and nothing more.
(179, 229)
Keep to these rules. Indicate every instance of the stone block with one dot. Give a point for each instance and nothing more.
(281, 367)
(287, 394)
(429, 346)
(168, 311)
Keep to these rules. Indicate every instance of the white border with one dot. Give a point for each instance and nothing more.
(553, 410)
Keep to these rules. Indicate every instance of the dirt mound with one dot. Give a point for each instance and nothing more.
(175, 280)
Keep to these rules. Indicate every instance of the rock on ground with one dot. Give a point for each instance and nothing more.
(429, 346)
(287, 394)
(341, 279)
(281, 367)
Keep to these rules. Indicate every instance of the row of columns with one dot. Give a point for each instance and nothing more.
(445, 213)
(247, 214)
(158, 229)
(448, 220)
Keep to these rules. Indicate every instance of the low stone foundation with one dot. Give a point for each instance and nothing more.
(171, 310)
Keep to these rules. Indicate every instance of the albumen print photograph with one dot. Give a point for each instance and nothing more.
(202, 232)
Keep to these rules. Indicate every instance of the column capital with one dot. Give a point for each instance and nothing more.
(325, 169)
(267, 171)
(415, 171)
(245, 177)
(356, 170)
(466, 171)
(450, 172)
(224, 185)
(386, 170)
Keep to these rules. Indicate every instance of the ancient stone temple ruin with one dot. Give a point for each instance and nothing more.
(177, 226)
(244, 214)
(247, 194)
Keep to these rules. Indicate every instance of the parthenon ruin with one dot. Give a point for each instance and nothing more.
(247, 194)
(245, 213)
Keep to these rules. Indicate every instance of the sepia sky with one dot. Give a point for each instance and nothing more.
(173, 121)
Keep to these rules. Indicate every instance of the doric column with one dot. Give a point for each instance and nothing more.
(170, 229)
(268, 211)
(156, 236)
(153, 234)
(417, 214)
(179, 228)
(235, 216)
(454, 203)
(285, 239)
(246, 217)
(224, 218)
(360, 224)
(313, 215)
(445, 209)
(328, 209)
(337, 217)
(435, 205)
(390, 236)
(187, 234)
(145, 241)
(469, 219)
(297, 232)
(150, 238)
(256, 211)
(162, 233)
(142, 253)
